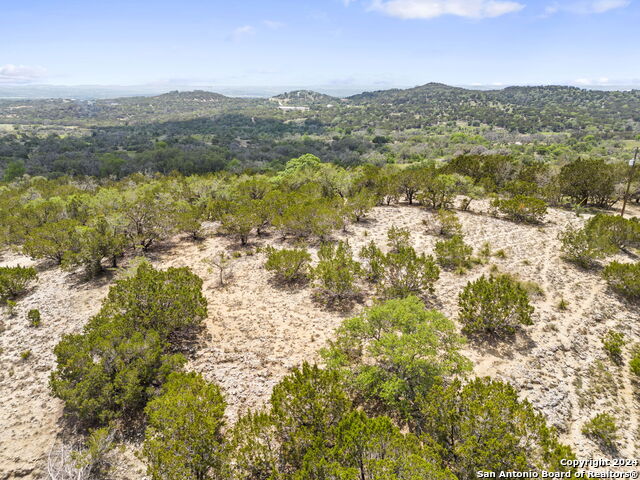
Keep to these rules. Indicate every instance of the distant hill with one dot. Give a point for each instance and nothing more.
(523, 109)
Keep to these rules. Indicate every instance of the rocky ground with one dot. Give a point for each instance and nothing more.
(256, 331)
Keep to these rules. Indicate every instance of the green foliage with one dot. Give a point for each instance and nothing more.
(337, 271)
(394, 352)
(398, 238)
(112, 369)
(407, 273)
(521, 208)
(614, 230)
(581, 248)
(183, 440)
(240, 221)
(439, 191)
(168, 302)
(588, 180)
(603, 429)
(25, 355)
(51, 240)
(613, 342)
(494, 305)
(482, 425)
(624, 278)
(34, 317)
(374, 262)
(288, 265)
(634, 363)
(306, 215)
(305, 406)
(360, 204)
(15, 169)
(14, 281)
(92, 243)
(454, 253)
(448, 223)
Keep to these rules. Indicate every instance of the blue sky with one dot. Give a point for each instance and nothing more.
(320, 42)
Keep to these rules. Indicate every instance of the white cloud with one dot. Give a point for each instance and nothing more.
(592, 81)
(435, 8)
(587, 7)
(273, 25)
(10, 73)
(242, 32)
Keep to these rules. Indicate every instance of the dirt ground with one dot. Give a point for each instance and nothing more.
(256, 331)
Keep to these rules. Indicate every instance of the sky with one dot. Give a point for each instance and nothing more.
(341, 43)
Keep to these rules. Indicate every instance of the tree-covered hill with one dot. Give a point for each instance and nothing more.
(517, 109)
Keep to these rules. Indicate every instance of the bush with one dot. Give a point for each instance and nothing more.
(603, 429)
(634, 363)
(34, 317)
(407, 273)
(521, 208)
(183, 439)
(126, 350)
(624, 278)
(289, 266)
(614, 231)
(454, 253)
(580, 248)
(337, 271)
(613, 342)
(398, 238)
(14, 281)
(448, 222)
(494, 305)
(374, 262)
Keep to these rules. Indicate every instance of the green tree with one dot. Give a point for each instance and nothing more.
(494, 305)
(51, 240)
(183, 439)
(482, 425)
(394, 352)
(588, 180)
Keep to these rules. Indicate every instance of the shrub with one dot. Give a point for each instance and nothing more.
(448, 222)
(126, 350)
(374, 262)
(624, 278)
(289, 266)
(603, 429)
(183, 439)
(337, 271)
(407, 273)
(495, 305)
(454, 253)
(398, 238)
(613, 342)
(521, 208)
(634, 363)
(14, 281)
(25, 355)
(34, 317)
(579, 247)
(616, 231)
